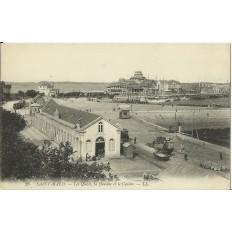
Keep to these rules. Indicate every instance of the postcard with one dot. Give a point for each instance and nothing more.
(115, 116)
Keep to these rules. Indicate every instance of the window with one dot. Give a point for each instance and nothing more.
(111, 145)
(88, 146)
(100, 127)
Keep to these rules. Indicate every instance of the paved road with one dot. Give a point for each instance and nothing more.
(144, 133)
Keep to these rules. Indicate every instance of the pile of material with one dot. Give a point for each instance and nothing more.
(162, 145)
(212, 165)
(160, 140)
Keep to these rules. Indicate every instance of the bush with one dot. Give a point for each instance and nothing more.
(22, 159)
(31, 93)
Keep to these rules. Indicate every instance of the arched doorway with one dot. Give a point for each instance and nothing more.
(100, 147)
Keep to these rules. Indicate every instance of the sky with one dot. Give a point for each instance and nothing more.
(108, 62)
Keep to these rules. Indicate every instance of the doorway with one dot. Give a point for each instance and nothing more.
(100, 147)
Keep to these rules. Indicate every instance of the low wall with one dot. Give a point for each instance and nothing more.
(192, 140)
(203, 143)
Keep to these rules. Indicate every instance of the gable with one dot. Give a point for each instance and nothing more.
(106, 124)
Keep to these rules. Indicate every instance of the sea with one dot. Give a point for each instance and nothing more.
(64, 87)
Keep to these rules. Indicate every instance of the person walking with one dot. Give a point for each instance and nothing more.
(87, 157)
(185, 156)
(220, 154)
(134, 140)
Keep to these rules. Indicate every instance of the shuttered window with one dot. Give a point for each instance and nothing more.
(111, 145)
(88, 146)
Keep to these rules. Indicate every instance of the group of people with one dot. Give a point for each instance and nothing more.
(183, 150)
(100, 154)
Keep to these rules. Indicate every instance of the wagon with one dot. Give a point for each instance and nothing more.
(161, 156)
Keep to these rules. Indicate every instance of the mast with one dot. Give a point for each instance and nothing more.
(194, 125)
(175, 119)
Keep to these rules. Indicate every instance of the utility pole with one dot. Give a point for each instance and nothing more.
(196, 130)
(193, 122)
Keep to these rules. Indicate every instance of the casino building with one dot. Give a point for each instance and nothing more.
(87, 132)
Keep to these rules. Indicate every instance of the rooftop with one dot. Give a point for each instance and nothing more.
(37, 97)
(69, 115)
(45, 83)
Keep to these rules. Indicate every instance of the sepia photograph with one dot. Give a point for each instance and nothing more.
(115, 116)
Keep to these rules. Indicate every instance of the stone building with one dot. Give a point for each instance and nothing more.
(45, 88)
(138, 77)
(169, 86)
(87, 132)
(136, 86)
(191, 88)
(214, 88)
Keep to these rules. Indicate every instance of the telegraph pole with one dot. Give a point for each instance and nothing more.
(193, 122)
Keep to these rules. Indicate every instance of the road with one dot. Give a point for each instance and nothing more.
(145, 132)
(29, 132)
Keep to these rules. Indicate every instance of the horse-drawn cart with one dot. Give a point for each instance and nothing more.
(161, 156)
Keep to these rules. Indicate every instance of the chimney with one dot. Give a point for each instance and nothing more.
(80, 120)
(56, 114)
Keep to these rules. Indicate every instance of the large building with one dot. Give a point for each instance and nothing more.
(191, 88)
(136, 86)
(214, 88)
(47, 89)
(44, 88)
(138, 77)
(87, 132)
(169, 86)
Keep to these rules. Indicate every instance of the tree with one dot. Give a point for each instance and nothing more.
(31, 93)
(21, 159)
(21, 93)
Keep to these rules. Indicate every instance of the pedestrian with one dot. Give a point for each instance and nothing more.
(153, 140)
(111, 177)
(87, 157)
(134, 140)
(185, 156)
(220, 156)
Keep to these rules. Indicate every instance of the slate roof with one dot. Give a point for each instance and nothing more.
(70, 115)
(36, 97)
